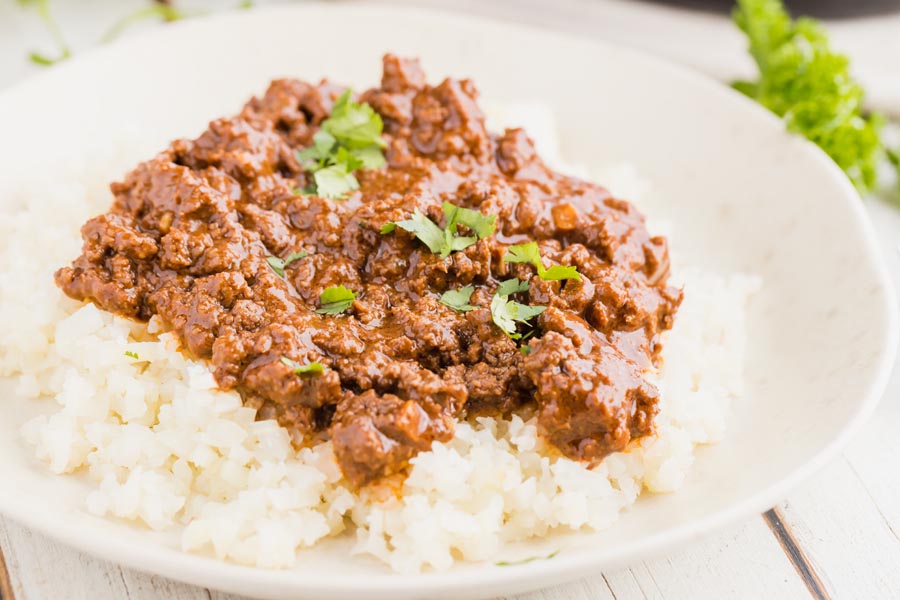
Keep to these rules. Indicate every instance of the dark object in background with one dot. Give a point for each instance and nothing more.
(821, 9)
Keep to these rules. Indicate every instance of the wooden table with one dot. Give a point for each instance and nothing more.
(834, 537)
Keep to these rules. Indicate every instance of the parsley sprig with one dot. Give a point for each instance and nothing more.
(809, 85)
(446, 240)
(313, 368)
(530, 254)
(335, 299)
(507, 313)
(348, 140)
(280, 264)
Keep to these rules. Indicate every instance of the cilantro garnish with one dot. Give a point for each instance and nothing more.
(526, 560)
(444, 241)
(280, 264)
(512, 286)
(349, 139)
(131, 354)
(481, 224)
(526, 350)
(506, 313)
(313, 368)
(458, 300)
(530, 254)
(809, 85)
(335, 299)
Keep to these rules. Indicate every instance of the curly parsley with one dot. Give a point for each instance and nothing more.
(804, 81)
(348, 140)
(530, 254)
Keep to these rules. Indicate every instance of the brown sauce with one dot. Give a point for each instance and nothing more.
(188, 237)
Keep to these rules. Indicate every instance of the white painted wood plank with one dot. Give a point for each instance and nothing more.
(43, 569)
(594, 588)
(726, 566)
(845, 535)
(745, 560)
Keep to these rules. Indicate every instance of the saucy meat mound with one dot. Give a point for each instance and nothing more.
(190, 231)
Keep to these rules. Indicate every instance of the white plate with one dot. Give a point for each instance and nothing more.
(742, 193)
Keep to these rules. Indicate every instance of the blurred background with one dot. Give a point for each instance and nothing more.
(695, 32)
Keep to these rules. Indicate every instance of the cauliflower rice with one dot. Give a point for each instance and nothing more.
(165, 449)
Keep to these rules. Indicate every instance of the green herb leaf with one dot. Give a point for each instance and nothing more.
(354, 125)
(131, 354)
(530, 254)
(348, 140)
(458, 300)
(804, 81)
(444, 241)
(512, 286)
(387, 228)
(559, 272)
(426, 230)
(335, 182)
(313, 368)
(506, 313)
(43, 60)
(316, 155)
(481, 224)
(46, 16)
(527, 560)
(526, 350)
(280, 264)
(371, 157)
(335, 300)
(157, 10)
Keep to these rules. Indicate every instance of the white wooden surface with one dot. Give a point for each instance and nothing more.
(841, 535)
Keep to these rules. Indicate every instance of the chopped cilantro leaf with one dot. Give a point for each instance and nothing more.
(481, 224)
(506, 313)
(526, 560)
(354, 125)
(348, 140)
(426, 230)
(444, 241)
(313, 368)
(526, 350)
(458, 300)
(371, 157)
(530, 254)
(335, 300)
(280, 264)
(512, 286)
(559, 272)
(131, 354)
(335, 181)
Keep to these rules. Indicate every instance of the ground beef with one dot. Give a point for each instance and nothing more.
(190, 230)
